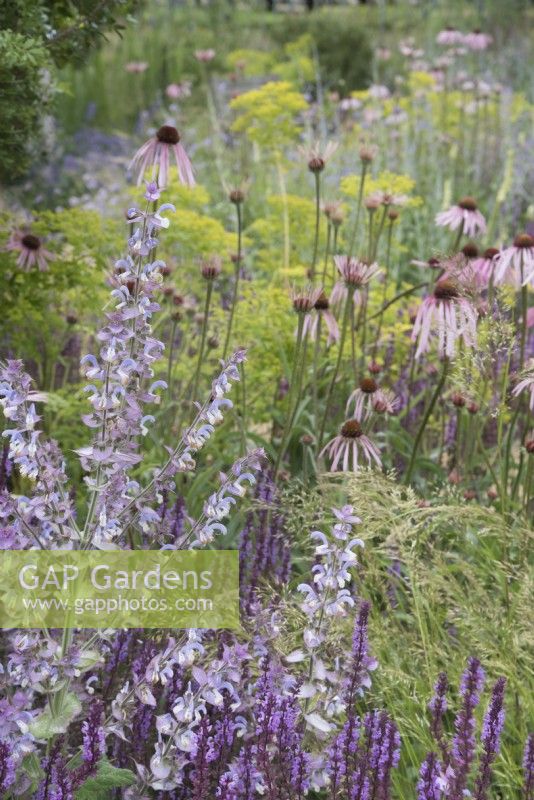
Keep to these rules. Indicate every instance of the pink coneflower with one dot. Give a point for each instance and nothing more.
(465, 215)
(156, 153)
(136, 67)
(462, 270)
(385, 402)
(527, 385)
(449, 36)
(321, 312)
(362, 399)
(432, 263)
(317, 158)
(378, 92)
(386, 199)
(178, 91)
(30, 249)
(205, 56)
(355, 274)
(516, 263)
(304, 299)
(476, 40)
(449, 316)
(349, 445)
(334, 212)
(485, 265)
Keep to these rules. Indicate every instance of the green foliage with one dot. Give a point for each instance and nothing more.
(51, 722)
(22, 60)
(36, 36)
(43, 310)
(106, 779)
(342, 46)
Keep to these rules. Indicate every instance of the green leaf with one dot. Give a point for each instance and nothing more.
(49, 724)
(107, 777)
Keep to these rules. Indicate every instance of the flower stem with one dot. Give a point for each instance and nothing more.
(344, 325)
(317, 222)
(209, 290)
(236, 280)
(358, 209)
(293, 381)
(425, 419)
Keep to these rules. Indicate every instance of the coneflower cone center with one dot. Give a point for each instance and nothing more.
(168, 134)
(524, 240)
(470, 250)
(351, 429)
(445, 290)
(322, 302)
(491, 252)
(31, 242)
(368, 385)
(468, 204)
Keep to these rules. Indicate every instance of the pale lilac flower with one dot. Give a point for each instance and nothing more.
(382, 198)
(527, 385)
(447, 315)
(484, 266)
(378, 92)
(449, 36)
(316, 157)
(136, 67)
(464, 215)
(304, 299)
(349, 446)
(155, 155)
(384, 401)
(321, 312)
(516, 263)
(362, 399)
(477, 40)
(30, 249)
(178, 91)
(355, 274)
(205, 56)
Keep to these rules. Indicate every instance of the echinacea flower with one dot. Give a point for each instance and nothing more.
(516, 263)
(484, 266)
(464, 215)
(321, 312)
(362, 398)
(355, 274)
(447, 315)
(304, 299)
(387, 199)
(155, 154)
(477, 40)
(178, 91)
(136, 67)
(205, 56)
(334, 212)
(449, 36)
(317, 158)
(384, 402)
(527, 385)
(30, 249)
(349, 445)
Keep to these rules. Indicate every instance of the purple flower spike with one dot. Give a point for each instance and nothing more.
(491, 738)
(528, 769)
(463, 745)
(428, 786)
